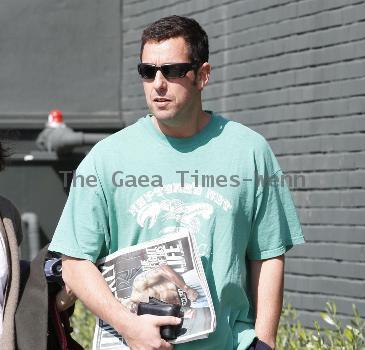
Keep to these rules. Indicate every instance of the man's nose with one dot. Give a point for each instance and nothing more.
(160, 82)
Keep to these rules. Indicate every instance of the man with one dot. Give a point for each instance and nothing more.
(181, 168)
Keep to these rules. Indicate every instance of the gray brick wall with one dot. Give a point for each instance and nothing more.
(295, 72)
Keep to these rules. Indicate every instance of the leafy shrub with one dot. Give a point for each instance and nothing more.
(293, 336)
(83, 324)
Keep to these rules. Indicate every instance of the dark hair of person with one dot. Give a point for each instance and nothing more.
(178, 26)
(3, 155)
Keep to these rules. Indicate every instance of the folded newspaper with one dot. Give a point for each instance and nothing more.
(168, 269)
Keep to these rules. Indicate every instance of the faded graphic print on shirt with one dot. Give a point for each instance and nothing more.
(164, 205)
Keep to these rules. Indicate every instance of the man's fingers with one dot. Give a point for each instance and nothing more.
(166, 345)
(166, 320)
(64, 299)
(69, 291)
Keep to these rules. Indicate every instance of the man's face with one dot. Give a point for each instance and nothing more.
(171, 101)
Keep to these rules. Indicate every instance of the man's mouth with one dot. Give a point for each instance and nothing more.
(161, 99)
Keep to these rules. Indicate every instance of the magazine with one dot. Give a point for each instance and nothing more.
(168, 269)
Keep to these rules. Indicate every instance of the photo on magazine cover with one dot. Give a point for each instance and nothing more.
(165, 271)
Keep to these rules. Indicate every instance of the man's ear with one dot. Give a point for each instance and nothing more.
(203, 75)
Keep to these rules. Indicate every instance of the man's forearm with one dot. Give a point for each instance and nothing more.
(89, 286)
(85, 280)
(267, 280)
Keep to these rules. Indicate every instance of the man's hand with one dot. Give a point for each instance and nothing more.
(143, 332)
(65, 298)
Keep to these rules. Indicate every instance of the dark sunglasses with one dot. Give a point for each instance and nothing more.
(168, 70)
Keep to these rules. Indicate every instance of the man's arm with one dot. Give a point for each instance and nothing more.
(267, 281)
(86, 281)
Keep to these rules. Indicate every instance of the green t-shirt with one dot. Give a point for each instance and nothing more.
(223, 185)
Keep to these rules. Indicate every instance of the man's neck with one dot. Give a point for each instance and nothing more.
(188, 129)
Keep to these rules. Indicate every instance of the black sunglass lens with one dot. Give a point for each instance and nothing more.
(173, 71)
(147, 71)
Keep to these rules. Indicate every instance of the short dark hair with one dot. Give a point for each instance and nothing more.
(178, 26)
(3, 155)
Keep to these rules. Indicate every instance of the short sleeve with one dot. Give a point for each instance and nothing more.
(82, 231)
(275, 224)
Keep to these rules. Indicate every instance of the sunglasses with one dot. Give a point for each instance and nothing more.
(168, 70)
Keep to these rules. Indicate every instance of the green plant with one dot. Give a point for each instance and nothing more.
(83, 324)
(293, 336)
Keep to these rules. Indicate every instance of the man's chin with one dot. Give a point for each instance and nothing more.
(164, 116)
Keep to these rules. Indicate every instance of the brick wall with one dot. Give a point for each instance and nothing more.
(295, 72)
